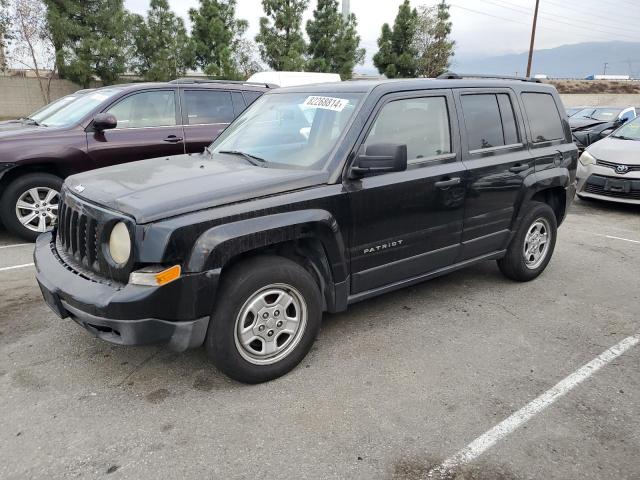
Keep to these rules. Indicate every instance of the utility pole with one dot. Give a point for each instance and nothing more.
(604, 70)
(533, 38)
(346, 9)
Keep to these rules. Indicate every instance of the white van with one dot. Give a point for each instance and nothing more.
(290, 79)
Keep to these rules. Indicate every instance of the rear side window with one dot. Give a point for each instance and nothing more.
(208, 106)
(489, 120)
(544, 118)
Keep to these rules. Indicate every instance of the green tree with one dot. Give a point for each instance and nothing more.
(89, 37)
(216, 35)
(333, 41)
(163, 50)
(396, 56)
(280, 39)
(246, 58)
(432, 43)
(4, 32)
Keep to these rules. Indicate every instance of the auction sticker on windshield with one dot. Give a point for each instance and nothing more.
(327, 103)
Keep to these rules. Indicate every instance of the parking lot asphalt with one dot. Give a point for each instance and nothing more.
(392, 387)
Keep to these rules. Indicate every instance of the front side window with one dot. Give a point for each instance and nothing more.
(146, 109)
(628, 115)
(544, 118)
(422, 124)
(208, 106)
(291, 130)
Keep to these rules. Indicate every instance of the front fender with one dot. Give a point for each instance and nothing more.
(216, 246)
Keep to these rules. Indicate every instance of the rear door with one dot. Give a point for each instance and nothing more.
(408, 223)
(148, 127)
(205, 114)
(498, 160)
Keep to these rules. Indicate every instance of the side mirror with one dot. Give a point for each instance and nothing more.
(379, 158)
(621, 121)
(104, 121)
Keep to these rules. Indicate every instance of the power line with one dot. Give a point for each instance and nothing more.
(581, 17)
(607, 35)
(552, 18)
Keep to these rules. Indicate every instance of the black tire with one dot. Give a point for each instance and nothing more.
(12, 193)
(514, 265)
(244, 281)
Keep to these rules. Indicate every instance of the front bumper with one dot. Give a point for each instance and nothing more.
(176, 314)
(592, 183)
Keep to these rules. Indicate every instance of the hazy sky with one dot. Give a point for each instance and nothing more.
(480, 27)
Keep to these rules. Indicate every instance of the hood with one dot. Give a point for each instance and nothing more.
(616, 150)
(580, 123)
(158, 188)
(11, 125)
(11, 130)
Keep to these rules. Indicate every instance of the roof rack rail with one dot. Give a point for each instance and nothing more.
(458, 76)
(187, 80)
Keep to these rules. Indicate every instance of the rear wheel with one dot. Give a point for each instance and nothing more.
(532, 247)
(29, 204)
(266, 319)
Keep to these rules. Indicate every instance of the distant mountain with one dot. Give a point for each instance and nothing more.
(567, 61)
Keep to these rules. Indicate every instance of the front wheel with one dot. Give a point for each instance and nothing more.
(532, 246)
(29, 204)
(266, 319)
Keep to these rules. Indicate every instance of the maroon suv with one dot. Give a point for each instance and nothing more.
(108, 126)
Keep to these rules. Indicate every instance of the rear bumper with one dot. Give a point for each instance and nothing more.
(176, 314)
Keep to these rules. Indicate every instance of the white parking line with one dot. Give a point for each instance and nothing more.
(504, 428)
(3, 269)
(15, 245)
(620, 238)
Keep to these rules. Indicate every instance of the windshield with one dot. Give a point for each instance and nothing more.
(52, 107)
(629, 131)
(73, 112)
(290, 130)
(600, 114)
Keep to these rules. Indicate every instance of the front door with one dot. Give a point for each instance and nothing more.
(409, 223)
(148, 127)
(498, 159)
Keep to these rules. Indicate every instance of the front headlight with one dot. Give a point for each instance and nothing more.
(587, 159)
(120, 243)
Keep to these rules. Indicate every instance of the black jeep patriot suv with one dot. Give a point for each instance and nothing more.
(316, 197)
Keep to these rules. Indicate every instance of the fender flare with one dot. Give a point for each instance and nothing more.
(216, 246)
(539, 181)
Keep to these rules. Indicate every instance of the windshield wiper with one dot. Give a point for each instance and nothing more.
(622, 137)
(252, 159)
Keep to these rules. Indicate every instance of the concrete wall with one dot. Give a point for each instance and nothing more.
(600, 99)
(21, 96)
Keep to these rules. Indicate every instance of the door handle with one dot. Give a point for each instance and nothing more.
(172, 139)
(519, 168)
(444, 184)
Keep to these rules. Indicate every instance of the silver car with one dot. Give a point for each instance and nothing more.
(610, 168)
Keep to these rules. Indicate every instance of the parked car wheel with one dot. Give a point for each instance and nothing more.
(266, 320)
(29, 204)
(532, 247)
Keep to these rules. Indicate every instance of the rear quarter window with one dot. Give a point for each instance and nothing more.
(543, 115)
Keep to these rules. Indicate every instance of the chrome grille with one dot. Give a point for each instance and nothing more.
(631, 168)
